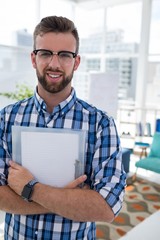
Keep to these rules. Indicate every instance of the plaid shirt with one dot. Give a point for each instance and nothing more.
(103, 164)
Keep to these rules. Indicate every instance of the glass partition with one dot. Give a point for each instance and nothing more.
(15, 69)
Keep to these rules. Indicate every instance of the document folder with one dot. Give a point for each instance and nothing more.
(54, 156)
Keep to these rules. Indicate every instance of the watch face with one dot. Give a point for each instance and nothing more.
(26, 193)
(28, 189)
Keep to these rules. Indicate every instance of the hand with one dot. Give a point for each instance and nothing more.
(78, 182)
(18, 177)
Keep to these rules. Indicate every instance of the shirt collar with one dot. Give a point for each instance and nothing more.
(62, 108)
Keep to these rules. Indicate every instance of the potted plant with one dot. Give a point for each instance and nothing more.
(22, 91)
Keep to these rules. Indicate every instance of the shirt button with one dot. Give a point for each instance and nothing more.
(36, 232)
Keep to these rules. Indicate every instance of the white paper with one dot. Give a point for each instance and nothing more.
(50, 155)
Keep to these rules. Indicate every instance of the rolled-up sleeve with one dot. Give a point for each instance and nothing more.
(108, 176)
(4, 154)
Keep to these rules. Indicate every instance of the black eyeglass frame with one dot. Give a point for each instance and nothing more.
(54, 52)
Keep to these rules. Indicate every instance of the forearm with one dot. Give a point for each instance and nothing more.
(12, 203)
(70, 202)
(76, 204)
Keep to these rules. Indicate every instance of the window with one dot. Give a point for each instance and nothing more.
(154, 47)
(153, 89)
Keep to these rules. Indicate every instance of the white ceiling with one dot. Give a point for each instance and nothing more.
(90, 4)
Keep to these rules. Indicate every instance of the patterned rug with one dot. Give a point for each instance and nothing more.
(142, 198)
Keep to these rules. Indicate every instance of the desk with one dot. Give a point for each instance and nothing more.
(149, 229)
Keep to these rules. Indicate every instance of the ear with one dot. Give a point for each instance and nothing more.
(77, 62)
(33, 59)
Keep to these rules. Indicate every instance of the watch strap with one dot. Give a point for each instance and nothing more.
(28, 190)
(32, 182)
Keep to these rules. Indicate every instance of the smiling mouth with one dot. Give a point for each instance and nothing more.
(54, 75)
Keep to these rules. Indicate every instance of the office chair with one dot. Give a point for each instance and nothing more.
(152, 160)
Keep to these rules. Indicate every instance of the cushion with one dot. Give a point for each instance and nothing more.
(142, 144)
(155, 147)
(149, 163)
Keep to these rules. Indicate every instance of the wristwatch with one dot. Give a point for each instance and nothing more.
(28, 190)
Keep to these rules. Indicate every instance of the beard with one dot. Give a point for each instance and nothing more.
(54, 87)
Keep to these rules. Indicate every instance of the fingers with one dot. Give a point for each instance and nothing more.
(86, 186)
(76, 182)
(14, 165)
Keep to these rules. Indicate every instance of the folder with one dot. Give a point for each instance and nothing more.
(54, 156)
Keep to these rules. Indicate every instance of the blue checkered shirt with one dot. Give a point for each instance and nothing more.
(103, 164)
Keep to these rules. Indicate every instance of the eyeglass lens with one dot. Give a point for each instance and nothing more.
(64, 57)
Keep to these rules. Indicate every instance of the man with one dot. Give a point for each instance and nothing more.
(51, 212)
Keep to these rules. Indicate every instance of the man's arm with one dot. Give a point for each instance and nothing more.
(77, 204)
(12, 203)
(70, 202)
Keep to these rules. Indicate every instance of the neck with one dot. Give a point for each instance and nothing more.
(53, 99)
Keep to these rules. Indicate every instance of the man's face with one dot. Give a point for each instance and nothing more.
(55, 72)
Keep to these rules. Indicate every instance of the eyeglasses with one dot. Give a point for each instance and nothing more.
(64, 57)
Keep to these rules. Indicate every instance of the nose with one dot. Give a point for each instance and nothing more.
(54, 60)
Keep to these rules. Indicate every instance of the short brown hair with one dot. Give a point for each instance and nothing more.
(56, 24)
